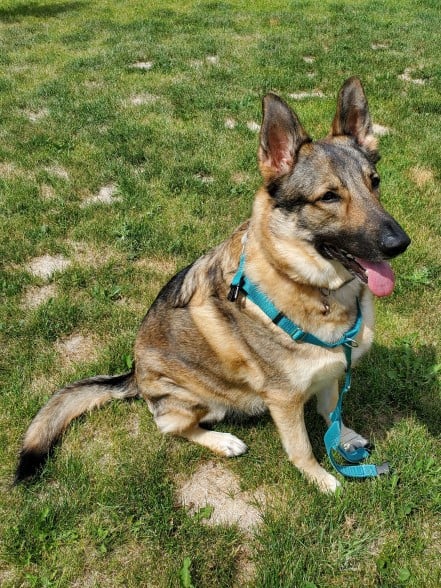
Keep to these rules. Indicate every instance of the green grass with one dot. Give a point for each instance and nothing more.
(104, 512)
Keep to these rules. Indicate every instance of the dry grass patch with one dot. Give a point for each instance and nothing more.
(46, 265)
(57, 171)
(85, 254)
(107, 194)
(305, 95)
(77, 348)
(36, 115)
(421, 176)
(141, 99)
(47, 192)
(143, 65)
(162, 265)
(230, 123)
(406, 76)
(380, 130)
(215, 486)
(253, 126)
(241, 177)
(7, 169)
(35, 296)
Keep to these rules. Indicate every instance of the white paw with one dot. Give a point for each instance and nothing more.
(351, 441)
(228, 445)
(328, 484)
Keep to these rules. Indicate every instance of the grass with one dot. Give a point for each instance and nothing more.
(77, 115)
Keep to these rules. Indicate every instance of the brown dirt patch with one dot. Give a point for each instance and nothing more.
(216, 486)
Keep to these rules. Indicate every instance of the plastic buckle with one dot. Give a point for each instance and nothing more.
(383, 468)
(233, 293)
(299, 335)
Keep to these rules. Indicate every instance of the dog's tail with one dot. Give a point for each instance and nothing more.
(64, 406)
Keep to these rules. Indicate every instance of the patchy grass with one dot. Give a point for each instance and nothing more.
(128, 147)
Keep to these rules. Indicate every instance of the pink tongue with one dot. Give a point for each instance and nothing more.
(381, 279)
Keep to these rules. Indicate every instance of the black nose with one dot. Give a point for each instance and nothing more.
(393, 239)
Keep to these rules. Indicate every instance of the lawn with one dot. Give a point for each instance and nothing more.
(128, 148)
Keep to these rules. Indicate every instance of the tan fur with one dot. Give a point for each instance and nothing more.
(199, 356)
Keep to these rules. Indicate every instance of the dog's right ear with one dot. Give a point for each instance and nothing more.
(281, 136)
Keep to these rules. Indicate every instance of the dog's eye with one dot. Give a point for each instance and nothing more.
(375, 181)
(330, 197)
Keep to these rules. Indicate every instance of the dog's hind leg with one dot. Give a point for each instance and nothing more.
(221, 443)
(326, 403)
(178, 412)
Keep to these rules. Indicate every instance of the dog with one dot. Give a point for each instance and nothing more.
(316, 245)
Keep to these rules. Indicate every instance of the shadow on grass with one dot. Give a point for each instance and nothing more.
(390, 384)
(39, 11)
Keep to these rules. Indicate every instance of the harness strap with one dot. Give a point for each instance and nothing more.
(241, 283)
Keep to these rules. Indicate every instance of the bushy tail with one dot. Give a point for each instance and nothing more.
(64, 406)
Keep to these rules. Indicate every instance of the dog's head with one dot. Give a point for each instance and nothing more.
(326, 194)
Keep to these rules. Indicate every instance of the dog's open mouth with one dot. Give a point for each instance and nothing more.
(378, 275)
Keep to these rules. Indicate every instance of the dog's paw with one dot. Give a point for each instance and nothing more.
(351, 441)
(227, 444)
(328, 483)
(325, 481)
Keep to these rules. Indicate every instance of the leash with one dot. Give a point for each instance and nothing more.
(241, 283)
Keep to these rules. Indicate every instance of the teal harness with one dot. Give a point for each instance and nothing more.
(332, 437)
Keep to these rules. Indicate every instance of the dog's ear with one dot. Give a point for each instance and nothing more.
(352, 117)
(281, 136)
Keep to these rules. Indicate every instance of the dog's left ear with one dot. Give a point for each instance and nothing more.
(352, 117)
(281, 137)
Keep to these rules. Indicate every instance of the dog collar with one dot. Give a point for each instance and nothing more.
(241, 283)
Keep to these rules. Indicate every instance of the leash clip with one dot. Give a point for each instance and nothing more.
(352, 343)
(383, 468)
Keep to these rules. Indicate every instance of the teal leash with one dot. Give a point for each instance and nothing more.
(241, 283)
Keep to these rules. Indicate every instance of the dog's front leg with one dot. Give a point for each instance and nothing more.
(288, 415)
(326, 403)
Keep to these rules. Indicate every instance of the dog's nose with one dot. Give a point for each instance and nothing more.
(393, 240)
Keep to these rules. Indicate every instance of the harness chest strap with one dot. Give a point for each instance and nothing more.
(241, 283)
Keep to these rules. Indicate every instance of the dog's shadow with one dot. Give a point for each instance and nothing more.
(390, 384)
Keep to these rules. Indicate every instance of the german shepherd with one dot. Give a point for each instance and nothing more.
(316, 242)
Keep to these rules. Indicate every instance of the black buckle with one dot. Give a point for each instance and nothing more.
(233, 293)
